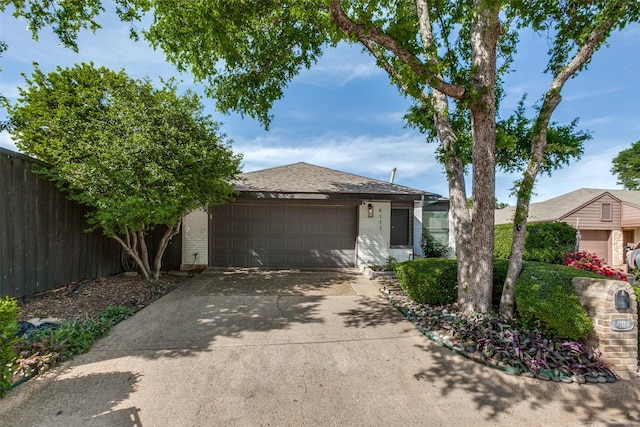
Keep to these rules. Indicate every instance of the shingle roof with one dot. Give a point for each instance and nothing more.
(310, 179)
(558, 207)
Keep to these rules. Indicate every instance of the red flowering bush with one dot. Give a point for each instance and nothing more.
(590, 262)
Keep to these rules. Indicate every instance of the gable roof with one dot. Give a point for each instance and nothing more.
(302, 179)
(561, 206)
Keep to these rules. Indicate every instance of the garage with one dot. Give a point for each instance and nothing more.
(278, 234)
(596, 242)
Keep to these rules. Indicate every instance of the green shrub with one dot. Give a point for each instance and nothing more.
(500, 267)
(502, 236)
(435, 280)
(8, 337)
(545, 298)
(71, 338)
(545, 241)
(429, 280)
(431, 247)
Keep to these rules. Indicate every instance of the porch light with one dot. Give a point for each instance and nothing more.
(370, 210)
(622, 300)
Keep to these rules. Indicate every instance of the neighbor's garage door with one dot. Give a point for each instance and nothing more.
(596, 242)
(282, 235)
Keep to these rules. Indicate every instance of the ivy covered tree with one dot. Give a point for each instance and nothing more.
(626, 165)
(139, 157)
(446, 56)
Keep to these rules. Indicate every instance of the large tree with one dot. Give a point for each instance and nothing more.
(626, 165)
(139, 157)
(447, 56)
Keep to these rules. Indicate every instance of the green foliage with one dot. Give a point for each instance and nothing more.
(45, 347)
(435, 280)
(545, 241)
(137, 156)
(8, 337)
(429, 280)
(390, 264)
(431, 247)
(515, 134)
(545, 298)
(626, 165)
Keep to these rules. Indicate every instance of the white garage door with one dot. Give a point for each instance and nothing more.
(282, 235)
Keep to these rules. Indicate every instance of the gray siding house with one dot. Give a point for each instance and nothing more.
(302, 215)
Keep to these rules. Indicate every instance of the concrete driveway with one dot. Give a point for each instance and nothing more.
(294, 348)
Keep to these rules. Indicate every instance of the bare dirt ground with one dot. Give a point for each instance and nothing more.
(85, 298)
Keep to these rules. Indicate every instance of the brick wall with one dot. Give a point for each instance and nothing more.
(619, 348)
(195, 240)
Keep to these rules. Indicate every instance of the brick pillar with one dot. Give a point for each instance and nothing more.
(619, 348)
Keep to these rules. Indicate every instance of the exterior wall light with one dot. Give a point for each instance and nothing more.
(370, 210)
(622, 299)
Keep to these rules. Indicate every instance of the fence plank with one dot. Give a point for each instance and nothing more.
(42, 240)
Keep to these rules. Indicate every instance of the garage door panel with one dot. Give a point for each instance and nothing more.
(283, 236)
(275, 243)
(595, 242)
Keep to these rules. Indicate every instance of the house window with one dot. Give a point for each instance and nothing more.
(437, 223)
(606, 212)
(400, 227)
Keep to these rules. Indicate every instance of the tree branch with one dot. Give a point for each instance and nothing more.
(366, 34)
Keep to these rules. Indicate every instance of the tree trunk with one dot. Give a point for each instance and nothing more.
(485, 29)
(457, 193)
(539, 144)
(171, 231)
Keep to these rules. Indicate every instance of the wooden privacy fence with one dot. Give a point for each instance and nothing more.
(42, 240)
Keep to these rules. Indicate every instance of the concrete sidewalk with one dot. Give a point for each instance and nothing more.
(293, 349)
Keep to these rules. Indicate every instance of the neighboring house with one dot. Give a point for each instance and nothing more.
(301, 215)
(608, 220)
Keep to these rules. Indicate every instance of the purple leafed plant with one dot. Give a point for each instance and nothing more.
(508, 344)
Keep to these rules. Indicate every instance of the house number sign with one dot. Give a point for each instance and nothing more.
(621, 325)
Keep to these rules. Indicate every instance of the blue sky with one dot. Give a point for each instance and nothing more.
(343, 114)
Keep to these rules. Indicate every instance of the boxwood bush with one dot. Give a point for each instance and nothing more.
(545, 241)
(8, 337)
(545, 298)
(435, 280)
(429, 280)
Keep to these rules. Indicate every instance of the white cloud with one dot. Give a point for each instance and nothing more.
(370, 156)
(340, 66)
(7, 142)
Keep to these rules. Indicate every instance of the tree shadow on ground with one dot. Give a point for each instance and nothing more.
(95, 396)
(494, 393)
(372, 312)
(222, 305)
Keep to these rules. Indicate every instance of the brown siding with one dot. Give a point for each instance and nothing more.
(590, 216)
(630, 215)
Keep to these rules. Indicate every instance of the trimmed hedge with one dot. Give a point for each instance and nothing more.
(435, 280)
(429, 280)
(545, 241)
(8, 337)
(545, 298)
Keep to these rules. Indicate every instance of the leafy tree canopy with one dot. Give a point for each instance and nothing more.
(447, 56)
(138, 156)
(626, 165)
